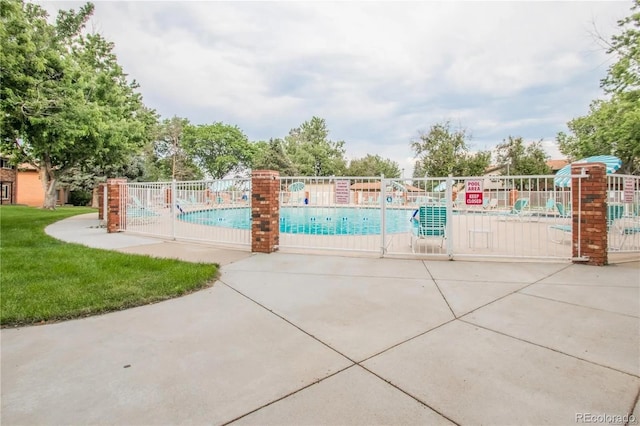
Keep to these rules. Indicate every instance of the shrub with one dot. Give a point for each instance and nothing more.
(80, 198)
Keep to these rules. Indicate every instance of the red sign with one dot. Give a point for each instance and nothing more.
(473, 198)
(473, 192)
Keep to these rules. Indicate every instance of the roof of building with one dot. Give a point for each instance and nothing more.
(557, 164)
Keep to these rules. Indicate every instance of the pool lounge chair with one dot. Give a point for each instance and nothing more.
(518, 210)
(614, 212)
(563, 230)
(490, 203)
(139, 215)
(562, 212)
(429, 221)
(625, 231)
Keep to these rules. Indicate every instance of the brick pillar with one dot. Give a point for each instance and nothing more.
(590, 213)
(101, 200)
(265, 211)
(114, 209)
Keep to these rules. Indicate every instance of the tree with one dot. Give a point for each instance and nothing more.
(522, 160)
(612, 126)
(64, 99)
(624, 74)
(218, 148)
(441, 151)
(373, 165)
(271, 155)
(311, 151)
(169, 154)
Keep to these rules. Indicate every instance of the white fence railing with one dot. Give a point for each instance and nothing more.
(216, 211)
(623, 213)
(331, 213)
(489, 216)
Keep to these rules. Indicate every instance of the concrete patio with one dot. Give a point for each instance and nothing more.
(326, 340)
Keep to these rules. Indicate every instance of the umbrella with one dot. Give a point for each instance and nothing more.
(296, 186)
(441, 186)
(563, 177)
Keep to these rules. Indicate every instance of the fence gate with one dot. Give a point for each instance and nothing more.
(215, 211)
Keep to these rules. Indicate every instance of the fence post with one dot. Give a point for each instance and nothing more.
(383, 213)
(589, 218)
(172, 209)
(102, 200)
(449, 214)
(265, 211)
(116, 211)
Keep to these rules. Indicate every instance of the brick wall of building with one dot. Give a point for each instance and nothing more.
(8, 178)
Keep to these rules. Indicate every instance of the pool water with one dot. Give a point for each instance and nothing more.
(311, 220)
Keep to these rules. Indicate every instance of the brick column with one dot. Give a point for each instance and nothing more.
(590, 213)
(265, 211)
(101, 188)
(114, 209)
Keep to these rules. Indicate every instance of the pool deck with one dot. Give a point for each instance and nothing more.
(304, 339)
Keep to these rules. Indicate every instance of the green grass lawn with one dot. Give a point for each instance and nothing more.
(44, 279)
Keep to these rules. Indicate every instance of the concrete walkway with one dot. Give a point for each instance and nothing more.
(314, 340)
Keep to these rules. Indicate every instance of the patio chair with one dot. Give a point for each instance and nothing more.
(562, 212)
(551, 205)
(430, 221)
(565, 231)
(490, 204)
(517, 211)
(139, 215)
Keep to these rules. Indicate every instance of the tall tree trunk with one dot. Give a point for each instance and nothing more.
(48, 179)
(95, 200)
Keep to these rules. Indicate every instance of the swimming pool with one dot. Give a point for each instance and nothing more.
(310, 220)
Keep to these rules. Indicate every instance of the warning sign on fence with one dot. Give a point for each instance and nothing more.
(473, 192)
(628, 190)
(342, 192)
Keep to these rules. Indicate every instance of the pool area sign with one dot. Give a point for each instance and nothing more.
(342, 192)
(628, 190)
(473, 192)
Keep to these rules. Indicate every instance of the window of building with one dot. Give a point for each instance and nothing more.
(5, 192)
(5, 164)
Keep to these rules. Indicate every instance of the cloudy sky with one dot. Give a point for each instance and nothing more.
(377, 72)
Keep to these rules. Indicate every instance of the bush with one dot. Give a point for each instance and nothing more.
(80, 198)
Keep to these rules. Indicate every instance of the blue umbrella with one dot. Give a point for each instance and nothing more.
(296, 186)
(563, 177)
(441, 186)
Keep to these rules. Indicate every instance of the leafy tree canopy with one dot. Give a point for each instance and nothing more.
(167, 156)
(624, 74)
(64, 99)
(373, 165)
(522, 160)
(442, 151)
(612, 126)
(312, 152)
(218, 148)
(271, 155)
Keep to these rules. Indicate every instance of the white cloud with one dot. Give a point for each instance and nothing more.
(376, 71)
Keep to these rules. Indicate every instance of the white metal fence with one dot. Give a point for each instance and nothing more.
(506, 217)
(215, 211)
(488, 216)
(623, 213)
